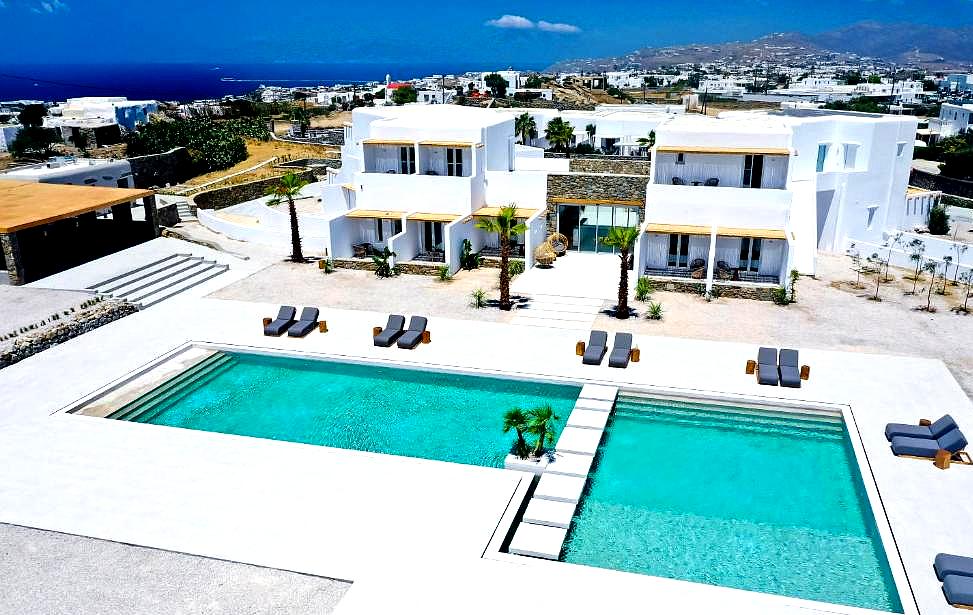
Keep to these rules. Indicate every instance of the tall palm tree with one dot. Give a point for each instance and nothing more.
(506, 227)
(286, 189)
(541, 424)
(517, 420)
(558, 133)
(647, 142)
(622, 238)
(526, 128)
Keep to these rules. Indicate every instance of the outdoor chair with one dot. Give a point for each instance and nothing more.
(677, 181)
(767, 372)
(925, 429)
(697, 268)
(411, 338)
(946, 564)
(558, 243)
(621, 350)
(713, 181)
(790, 371)
(596, 349)
(387, 336)
(285, 318)
(953, 442)
(308, 321)
(958, 591)
(723, 271)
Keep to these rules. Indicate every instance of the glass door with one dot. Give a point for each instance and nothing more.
(585, 225)
(588, 228)
(750, 254)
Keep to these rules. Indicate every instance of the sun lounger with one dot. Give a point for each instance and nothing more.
(958, 565)
(308, 320)
(930, 431)
(767, 366)
(285, 318)
(621, 350)
(958, 590)
(411, 338)
(952, 441)
(387, 336)
(596, 349)
(790, 369)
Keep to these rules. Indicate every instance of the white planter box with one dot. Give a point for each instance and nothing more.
(531, 464)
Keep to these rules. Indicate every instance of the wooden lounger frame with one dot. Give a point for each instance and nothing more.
(959, 457)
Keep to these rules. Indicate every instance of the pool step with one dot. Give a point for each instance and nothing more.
(207, 369)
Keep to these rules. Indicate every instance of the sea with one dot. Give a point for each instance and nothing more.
(184, 82)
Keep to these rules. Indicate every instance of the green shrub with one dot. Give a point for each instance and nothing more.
(780, 296)
(655, 311)
(478, 298)
(515, 267)
(383, 268)
(469, 260)
(442, 272)
(938, 221)
(213, 145)
(644, 289)
(327, 266)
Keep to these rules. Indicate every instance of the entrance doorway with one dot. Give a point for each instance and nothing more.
(585, 225)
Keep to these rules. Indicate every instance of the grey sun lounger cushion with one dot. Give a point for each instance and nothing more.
(411, 338)
(597, 346)
(285, 318)
(938, 428)
(621, 350)
(391, 332)
(307, 321)
(958, 565)
(790, 371)
(767, 366)
(958, 590)
(951, 441)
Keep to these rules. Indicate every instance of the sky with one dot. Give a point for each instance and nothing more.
(503, 33)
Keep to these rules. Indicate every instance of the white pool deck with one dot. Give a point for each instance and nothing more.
(412, 534)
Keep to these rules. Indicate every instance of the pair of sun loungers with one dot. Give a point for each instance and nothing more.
(394, 331)
(773, 368)
(927, 439)
(295, 328)
(956, 573)
(597, 346)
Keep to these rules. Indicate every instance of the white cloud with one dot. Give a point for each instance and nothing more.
(511, 21)
(564, 28)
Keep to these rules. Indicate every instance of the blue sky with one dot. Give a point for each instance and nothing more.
(513, 32)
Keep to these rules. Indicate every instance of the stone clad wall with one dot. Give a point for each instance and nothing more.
(157, 170)
(239, 193)
(947, 185)
(622, 165)
(596, 189)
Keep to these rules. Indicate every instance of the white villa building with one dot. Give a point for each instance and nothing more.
(737, 200)
(953, 119)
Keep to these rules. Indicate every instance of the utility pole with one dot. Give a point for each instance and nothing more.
(443, 86)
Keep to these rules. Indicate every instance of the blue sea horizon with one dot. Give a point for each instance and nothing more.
(193, 81)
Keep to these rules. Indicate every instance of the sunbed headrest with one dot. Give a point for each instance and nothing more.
(417, 323)
(942, 425)
(767, 356)
(396, 321)
(788, 357)
(286, 312)
(953, 441)
(598, 338)
(309, 313)
(623, 340)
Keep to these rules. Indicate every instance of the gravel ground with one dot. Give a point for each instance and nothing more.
(60, 574)
(21, 306)
(299, 285)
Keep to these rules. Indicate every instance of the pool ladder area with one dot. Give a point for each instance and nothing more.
(145, 407)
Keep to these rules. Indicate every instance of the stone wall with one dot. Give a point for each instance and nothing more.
(419, 268)
(620, 165)
(947, 185)
(32, 343)
(582, 188)
(759, 293)
(239, 193)
(157, 170)
(168, 215)
(354, 263)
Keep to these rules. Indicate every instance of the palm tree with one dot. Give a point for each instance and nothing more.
(517, 420)
(541, 424)
(286, 189)
(623, 238)
(558, 133)
(591, 129)
(526, 128)
(506, 227)
(647, 142)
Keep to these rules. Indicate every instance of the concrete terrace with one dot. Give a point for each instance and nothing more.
(411, 534)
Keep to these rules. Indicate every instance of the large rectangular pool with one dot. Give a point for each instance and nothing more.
(414, 413)
(757, 501)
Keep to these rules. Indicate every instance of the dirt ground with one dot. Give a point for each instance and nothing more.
(259, 151)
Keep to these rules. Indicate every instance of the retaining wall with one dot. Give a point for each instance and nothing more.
(947, 185)
(220, 198)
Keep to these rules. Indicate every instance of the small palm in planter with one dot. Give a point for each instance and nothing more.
(541, 424)
(516, 419)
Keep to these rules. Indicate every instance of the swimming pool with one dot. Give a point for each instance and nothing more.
(414, 413)
(720, 495)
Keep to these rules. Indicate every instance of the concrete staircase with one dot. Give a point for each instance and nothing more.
(558, 312)
(185, 212)
(161, 279)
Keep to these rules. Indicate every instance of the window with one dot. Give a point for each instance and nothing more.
(900, 149)
(383, 226)
(454, 162)
(753, 170)
(678, 250)
(822, 156)
(680, 158)
(851, 154)
(407, 160)
(750, 254)
(870, 220)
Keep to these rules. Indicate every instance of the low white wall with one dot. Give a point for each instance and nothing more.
(936, 250)
(421, 193)
(705, 206)
(535, 236)
(313, 236)
(405, 244)
(455, 232)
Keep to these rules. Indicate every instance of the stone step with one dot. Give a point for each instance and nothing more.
(179, 285)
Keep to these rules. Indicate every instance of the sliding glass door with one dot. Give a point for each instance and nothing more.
(585, 225)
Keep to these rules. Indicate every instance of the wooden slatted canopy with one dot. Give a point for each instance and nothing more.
(450, 144)
(25, 205)
(387, 142)
(708, 149)
(722, 231)
(762, 233)
(433, 217)
(678, 229)
(374, 213)
(493, 212)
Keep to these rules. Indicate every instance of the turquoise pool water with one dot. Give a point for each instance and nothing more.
(432, 415)
(716, 496)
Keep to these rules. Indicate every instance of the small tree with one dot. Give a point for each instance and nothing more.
(405, 94)
(383, 265)
(916, 249)
(558, 133)
(967, 280)
(541, 424)
(947, 261)
(622, 237)
(497, 84)
(878, 262)
(856, 264)
(591, 129)
(505, 226)
(960, 249)
(794, 276)
(894, 241)
(930, 266)
(286, 189)
(516, 419)
(938, 220)
(526, 128)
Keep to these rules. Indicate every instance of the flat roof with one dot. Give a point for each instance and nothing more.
(25, 204)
